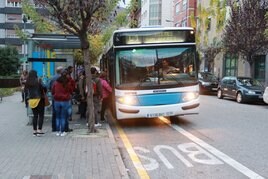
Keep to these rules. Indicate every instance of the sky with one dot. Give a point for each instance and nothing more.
(122, 4)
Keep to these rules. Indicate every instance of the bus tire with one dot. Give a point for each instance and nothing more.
(173, 119)
(113, 111)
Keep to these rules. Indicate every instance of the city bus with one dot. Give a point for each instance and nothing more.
(153, 72)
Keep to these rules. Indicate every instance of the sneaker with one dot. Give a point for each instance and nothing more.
(63, 134)
(97, 125)
(40, 132)
(69, 130)
(58, 134)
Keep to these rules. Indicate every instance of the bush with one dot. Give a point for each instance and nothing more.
(7, 91)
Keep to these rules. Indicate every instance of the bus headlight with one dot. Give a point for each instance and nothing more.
(189, 96)
(128, 100)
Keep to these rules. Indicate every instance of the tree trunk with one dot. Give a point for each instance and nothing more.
(87, 64)
(251, 66)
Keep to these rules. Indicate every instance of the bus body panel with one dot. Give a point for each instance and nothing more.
(155, 103)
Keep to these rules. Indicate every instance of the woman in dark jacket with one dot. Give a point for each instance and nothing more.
(36, 90)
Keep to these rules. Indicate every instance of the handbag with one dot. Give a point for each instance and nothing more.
(47, 103)
(33, 103)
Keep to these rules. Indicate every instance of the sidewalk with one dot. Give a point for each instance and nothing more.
(75, 156)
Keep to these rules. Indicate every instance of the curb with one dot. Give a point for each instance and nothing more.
(118, 158)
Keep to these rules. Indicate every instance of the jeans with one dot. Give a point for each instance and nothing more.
(53, 116)
(69, 115)
(61, 108)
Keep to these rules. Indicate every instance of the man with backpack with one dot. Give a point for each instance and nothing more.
(97, 95)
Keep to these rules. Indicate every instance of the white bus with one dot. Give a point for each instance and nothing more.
(153, 72)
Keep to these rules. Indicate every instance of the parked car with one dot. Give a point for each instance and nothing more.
(242, 89)
(207, 82)
(265, 95)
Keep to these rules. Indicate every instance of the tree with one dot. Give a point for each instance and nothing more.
(40, 21)
(95, 49)
(81, 18)
(41, 24)
(121, 19)
(207, 37)
(244, 33)
(210, 53)
(9, 60)
(98, 41)
(132, 8)
(266, 30)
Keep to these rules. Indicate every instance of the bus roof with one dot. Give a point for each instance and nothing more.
(110, 44)
(153, 29)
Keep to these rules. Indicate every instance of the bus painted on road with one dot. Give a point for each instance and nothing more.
(153, 72)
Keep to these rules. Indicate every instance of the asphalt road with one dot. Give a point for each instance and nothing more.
(226, 140)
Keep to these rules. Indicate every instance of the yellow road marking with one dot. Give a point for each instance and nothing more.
(134, 157)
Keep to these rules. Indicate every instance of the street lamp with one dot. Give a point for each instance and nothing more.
(167, 20)
(24, 41)
(171, 21)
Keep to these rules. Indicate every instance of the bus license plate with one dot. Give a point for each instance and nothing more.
(160, 114)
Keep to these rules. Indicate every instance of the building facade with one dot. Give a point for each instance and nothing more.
(223, 64)
(11, 15)
(156, 13)
(182, 12)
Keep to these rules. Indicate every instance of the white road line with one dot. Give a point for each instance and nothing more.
(236, 165)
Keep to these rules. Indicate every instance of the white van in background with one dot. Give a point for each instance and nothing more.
(265, 95)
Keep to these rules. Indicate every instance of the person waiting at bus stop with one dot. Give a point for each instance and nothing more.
(62, 91)
(106, 91)
(59, 70)
(24, 94)
(97, 95)
(36, 90)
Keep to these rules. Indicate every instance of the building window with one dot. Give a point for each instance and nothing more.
(14, 3)
(230, 66)
(155, 14)
(13, 18)
(155, 1)
(184, 23)
(177, 8)
(184, 4)
(259, 70)
(11, 34)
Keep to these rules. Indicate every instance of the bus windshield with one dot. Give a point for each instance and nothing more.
(155, 67)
